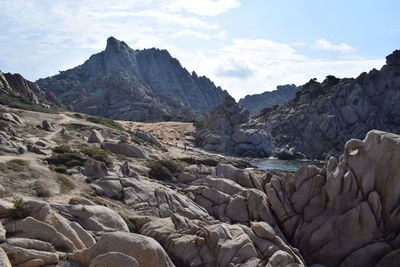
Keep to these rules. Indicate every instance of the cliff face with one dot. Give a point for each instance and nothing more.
(227, 129)
(123, 83)
(256, 103)
(324, 115)
(14, 90)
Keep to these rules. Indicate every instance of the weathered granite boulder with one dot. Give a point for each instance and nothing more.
(129, 150)
(145, 250)
(95, 137)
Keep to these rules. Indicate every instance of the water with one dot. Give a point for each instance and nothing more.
(285, 165)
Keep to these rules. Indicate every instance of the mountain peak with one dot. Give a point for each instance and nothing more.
(115, 44)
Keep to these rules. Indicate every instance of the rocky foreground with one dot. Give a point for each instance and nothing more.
(84, 191)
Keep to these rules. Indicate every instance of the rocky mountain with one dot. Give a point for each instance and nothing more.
(227, 129)
(256, 103)
(324, 115)
(141, 85)
(16, 91)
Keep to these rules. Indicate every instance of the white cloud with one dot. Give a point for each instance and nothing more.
(249, 66)
(199, 35)
(185, 21)
(56, 35)
(323, 44)
(203, 7)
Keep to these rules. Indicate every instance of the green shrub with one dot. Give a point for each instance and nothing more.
(20, 210)
(40, 189)
(76, 127)
(61, 149)
(60, 169)
(106, 122)
(97, 154)
(67, 159)
(66, 184)
(16, 165)
(129, 223)
(165, 169)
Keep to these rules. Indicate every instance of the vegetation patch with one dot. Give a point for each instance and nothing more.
(66, 184)
(16, 165)
(20, 210)
(97, 154)
(165, 169)
(106, 122)
(61, 149)
(69, 159)
(129, 223)
(40, 189)
(76, 127)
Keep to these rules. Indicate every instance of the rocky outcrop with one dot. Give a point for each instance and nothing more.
(347, 213)
(15, 90)
(258, 102)
(129, 150)
(324, 115)
(141, 85)
(228, 130)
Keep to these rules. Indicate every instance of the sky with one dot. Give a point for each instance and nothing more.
(244, 46)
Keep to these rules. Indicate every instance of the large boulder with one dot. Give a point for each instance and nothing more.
(112, 259)
(94, 217)
(145, 250)
(129, 150)
(95, 137)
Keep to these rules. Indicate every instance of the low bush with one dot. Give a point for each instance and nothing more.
(165, 169)
(20, 210)
(70, 159)
(106, 122)
(66, 184)
(97, 154)
(40, 189)
(61, 149)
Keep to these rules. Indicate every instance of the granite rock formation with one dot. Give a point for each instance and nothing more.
(324, 115)
(141, 85)
(256, 103)
(347, 213)
(15, 90)
(227, 129)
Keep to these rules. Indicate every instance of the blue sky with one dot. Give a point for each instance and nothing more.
(245, 46)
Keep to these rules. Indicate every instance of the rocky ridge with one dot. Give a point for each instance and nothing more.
(17, 91)
(256, 103)
(324, 115)
(140, 85)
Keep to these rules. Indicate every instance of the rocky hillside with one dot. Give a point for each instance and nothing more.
(141, 85)
(87, 191)
(256, 103)
(16, 91)
(84, 191)
(227, 129)
(324, 115)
